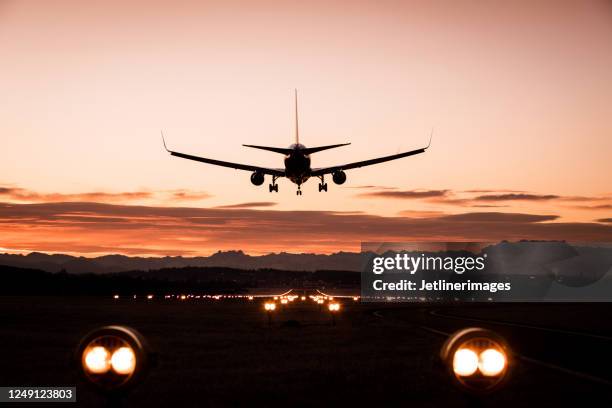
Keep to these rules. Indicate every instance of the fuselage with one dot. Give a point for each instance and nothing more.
(297, 164)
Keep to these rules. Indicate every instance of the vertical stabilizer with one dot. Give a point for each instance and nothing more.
(297, 131)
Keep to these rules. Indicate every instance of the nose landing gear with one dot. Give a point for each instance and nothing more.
(299, 190)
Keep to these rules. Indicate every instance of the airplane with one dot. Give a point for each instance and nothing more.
(297, 162)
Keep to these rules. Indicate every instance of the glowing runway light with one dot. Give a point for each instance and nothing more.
(116, 297)
(123, 361)
(270, 307)
(492, 362)
(479, 360)
(113, 358)
(97, 360)
(334, 307)
(465, 362)
(284, 301)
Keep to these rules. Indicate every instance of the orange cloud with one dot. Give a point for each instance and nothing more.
(97, 228)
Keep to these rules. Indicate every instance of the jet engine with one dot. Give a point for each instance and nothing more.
(339, 177)
(257, 178)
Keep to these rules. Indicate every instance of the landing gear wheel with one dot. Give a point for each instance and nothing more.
(322, 187)
(299, 192)
(273, 187)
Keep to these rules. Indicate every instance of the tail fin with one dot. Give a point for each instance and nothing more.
(297, 131)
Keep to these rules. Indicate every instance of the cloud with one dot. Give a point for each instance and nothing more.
(253, 204)
(98, 228)
(516, 197)
(405, 194)
(594, 207)
(22, 195)
(500, 217)
(185, 195)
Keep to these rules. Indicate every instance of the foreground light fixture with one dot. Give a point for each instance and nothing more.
(334, 307)
(478, 360)
(113, 358)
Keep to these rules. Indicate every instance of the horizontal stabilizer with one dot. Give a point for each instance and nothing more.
(271, 149)
(320, 148)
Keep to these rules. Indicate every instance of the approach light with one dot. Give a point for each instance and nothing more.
(334, 307)
(303, 298)
(113, 358)
(284, 301)
(270, 306)
(355, 298)
(116, 297)
(250, 297)
(478, 360)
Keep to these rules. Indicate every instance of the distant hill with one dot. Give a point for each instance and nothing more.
(523, 257)
(345, 261)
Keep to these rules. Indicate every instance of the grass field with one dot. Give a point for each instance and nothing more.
(223, 353)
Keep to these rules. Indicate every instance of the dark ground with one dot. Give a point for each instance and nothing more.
(222, 353)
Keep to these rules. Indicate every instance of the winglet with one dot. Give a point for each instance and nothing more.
(164, 141)
(430, 137)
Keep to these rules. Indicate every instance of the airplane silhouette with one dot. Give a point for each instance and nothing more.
(297, 162)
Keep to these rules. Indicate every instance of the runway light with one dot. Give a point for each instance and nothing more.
(355, 298)
(270, 306)
(334, 307)
(478, 360)
(250, 297)
(149, 297)
(492, 362)
(113, 358)
(116, 297)
(284, 301)
(123, 361)
(465, 362)
(303, 298)
(97, 360)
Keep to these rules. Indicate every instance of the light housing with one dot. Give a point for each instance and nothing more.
(478, 360)
(113, 358)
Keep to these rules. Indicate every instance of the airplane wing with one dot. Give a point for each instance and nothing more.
(354, 165)
(238, 166)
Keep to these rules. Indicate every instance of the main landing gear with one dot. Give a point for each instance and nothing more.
(322, 185)
(273, 186)
(299, 190)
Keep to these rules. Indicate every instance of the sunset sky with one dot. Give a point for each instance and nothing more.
(519, 94)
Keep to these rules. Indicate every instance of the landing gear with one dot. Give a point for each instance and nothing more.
(299, 190)
(273, 186)
(322, 185)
